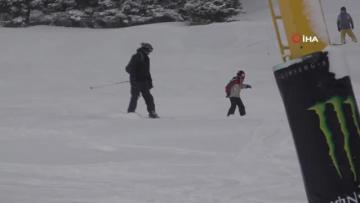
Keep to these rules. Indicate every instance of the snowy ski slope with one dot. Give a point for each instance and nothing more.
(61, 142)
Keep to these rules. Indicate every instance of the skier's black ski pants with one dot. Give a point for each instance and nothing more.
(144, 89)
(236, 101)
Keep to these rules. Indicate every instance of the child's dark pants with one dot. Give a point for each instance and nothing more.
(236, 101)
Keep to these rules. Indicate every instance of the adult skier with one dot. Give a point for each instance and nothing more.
(233, 89)
(345, 25)
(140, 79)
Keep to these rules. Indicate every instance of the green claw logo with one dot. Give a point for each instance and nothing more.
(337, 104)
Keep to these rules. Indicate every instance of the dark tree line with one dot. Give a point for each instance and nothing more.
(114, 13)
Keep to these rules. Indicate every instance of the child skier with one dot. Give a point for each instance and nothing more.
(233, 89)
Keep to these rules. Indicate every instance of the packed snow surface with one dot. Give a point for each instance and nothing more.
(61, 142)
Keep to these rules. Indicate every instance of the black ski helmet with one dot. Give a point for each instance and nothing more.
(147, 46)
(343, 8)
(240, 73)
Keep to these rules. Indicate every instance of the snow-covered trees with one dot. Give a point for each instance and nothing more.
(207, 11)
(16, 11)
(114, 13)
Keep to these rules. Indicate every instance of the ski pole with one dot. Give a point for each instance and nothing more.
(108, 85)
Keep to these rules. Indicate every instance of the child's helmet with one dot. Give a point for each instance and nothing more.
(147, 46)
(241, 73)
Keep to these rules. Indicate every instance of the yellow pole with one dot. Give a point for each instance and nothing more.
(298, 23)
(278, 36)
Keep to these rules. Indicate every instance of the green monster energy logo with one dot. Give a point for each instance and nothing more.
(337, 104)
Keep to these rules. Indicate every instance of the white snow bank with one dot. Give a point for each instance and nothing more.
(338, 61)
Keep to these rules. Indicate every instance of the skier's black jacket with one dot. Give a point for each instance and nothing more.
(139, 67)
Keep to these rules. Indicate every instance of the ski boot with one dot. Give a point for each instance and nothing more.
(153, 114)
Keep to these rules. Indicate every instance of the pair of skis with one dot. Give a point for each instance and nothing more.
(107, 85)
(118, 83)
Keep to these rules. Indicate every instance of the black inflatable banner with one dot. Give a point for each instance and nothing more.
(324, 120)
